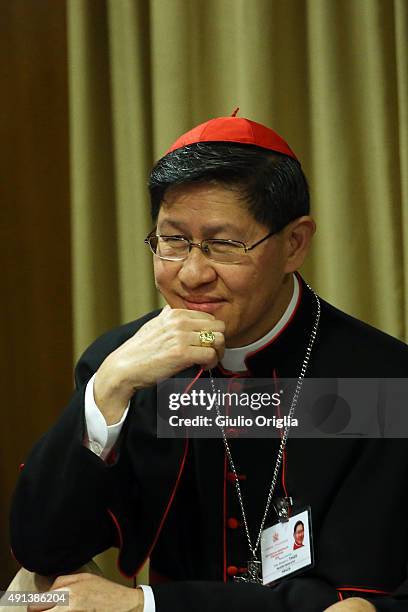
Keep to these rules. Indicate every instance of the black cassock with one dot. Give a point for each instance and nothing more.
(173, 500)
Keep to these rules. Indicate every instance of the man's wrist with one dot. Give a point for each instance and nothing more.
(139, 601)
(111, 396)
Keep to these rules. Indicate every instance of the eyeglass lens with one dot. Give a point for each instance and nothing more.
(175, 248)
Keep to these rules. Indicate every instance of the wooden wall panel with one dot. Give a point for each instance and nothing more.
(36, 329)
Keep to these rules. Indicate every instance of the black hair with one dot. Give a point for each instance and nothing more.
(297, 525)
(271, 184)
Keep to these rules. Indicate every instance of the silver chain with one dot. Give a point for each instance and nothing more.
(284, 438)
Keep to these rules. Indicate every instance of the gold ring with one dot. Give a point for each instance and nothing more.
(207, 338)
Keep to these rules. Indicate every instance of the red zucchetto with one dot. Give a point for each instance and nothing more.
(234, 129)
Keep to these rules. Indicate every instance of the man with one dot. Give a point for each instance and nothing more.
(230, 206)
(298, 535)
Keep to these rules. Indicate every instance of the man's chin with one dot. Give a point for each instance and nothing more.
(211, 307)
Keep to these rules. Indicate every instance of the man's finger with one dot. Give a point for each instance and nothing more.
(218, 340)
(39, 607)
(196, 314)
(198, 325)
(204, 355)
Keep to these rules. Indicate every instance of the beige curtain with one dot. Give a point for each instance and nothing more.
(330, 75)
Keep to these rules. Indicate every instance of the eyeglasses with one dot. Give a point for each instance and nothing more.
(177, 248)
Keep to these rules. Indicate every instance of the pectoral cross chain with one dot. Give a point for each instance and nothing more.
(254, 573)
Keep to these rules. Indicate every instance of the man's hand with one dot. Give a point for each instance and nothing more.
(90, 593)
(167, 344)
(353, 604)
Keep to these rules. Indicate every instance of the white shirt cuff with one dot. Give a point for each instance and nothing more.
(100, 436)
(149, 603)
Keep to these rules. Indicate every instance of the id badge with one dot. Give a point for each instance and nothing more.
(287, 547)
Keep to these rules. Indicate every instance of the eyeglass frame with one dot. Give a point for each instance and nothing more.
(199, 245)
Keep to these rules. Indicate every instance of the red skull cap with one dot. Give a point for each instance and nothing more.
(234, 129)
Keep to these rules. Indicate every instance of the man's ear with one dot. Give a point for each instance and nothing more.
(298, 236)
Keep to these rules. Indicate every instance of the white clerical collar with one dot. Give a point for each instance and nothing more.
(234, 358)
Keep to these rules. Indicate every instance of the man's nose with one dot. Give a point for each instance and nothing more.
(197, 269)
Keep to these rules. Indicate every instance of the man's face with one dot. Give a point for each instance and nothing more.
(299, 534)
(250, 296)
